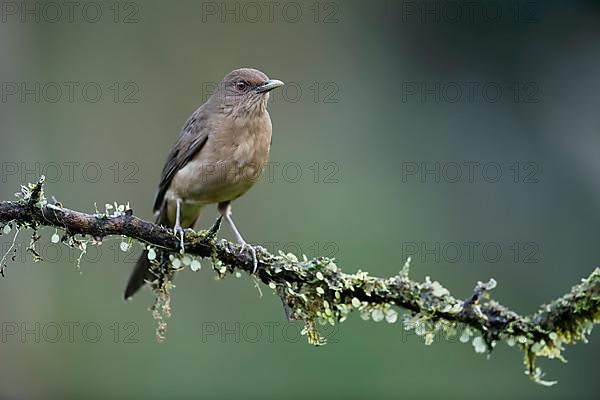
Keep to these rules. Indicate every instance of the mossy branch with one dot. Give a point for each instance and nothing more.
(317, 291)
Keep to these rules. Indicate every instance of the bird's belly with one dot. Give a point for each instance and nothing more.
(206, 179)
(215, 184)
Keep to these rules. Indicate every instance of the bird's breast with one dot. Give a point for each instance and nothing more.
(230, 162)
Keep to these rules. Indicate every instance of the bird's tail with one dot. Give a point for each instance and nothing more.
(142, 272)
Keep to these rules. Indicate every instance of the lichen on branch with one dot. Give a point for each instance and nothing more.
(317, 291)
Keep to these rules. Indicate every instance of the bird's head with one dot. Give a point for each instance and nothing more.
(244, 91)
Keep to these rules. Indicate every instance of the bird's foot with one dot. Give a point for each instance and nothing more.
(178, 231)
(245, 246)
(212, 232)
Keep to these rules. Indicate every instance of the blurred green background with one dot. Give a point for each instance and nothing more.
(377, 95)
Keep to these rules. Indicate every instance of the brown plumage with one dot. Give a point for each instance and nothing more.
(218, 155)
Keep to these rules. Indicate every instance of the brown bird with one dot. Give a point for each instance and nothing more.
(218, 155)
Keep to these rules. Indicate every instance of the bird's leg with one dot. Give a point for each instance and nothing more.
(212, 231)
(225, 210)
(177, 229)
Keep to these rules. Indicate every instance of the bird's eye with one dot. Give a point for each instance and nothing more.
(241, 86)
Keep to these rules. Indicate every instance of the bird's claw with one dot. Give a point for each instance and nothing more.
(246, 246)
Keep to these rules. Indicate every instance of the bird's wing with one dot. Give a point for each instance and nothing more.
(190, 141)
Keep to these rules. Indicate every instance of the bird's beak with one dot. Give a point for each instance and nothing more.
(269, 85)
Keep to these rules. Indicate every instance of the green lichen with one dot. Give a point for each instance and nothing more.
(567, 320)
(317, 292)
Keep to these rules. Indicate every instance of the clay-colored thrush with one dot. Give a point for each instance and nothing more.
(218, 155)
